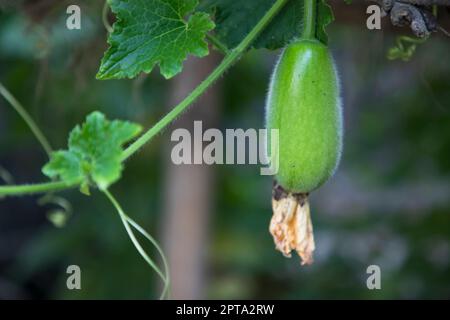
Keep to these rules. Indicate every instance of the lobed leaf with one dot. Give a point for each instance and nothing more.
(94, 152)
(151, 32)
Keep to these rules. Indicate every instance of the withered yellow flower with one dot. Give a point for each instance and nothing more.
(291, 225)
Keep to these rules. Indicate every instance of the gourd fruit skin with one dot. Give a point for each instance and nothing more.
(305, 105)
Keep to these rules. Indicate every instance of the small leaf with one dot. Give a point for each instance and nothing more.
(94, 153)
(150, 32)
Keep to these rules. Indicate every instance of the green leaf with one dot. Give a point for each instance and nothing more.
(234, 20)
(150, 32)
(94, 154)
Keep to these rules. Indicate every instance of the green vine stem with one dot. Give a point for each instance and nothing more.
(226, 63)
(309, 19)
(60, 216)
(229, 59)
(27, 118)
(127, 221)
(37, 188)
(31, 188)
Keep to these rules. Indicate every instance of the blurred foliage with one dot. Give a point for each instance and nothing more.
(388, 204)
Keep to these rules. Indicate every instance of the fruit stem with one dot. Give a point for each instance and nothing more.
(309, 19)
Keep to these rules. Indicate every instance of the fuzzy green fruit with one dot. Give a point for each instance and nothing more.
(304, 104)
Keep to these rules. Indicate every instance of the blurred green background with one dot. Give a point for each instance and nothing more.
(388, 204)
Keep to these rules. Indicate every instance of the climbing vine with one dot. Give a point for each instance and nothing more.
(149, 34)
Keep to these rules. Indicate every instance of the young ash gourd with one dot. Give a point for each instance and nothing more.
(304, 105)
